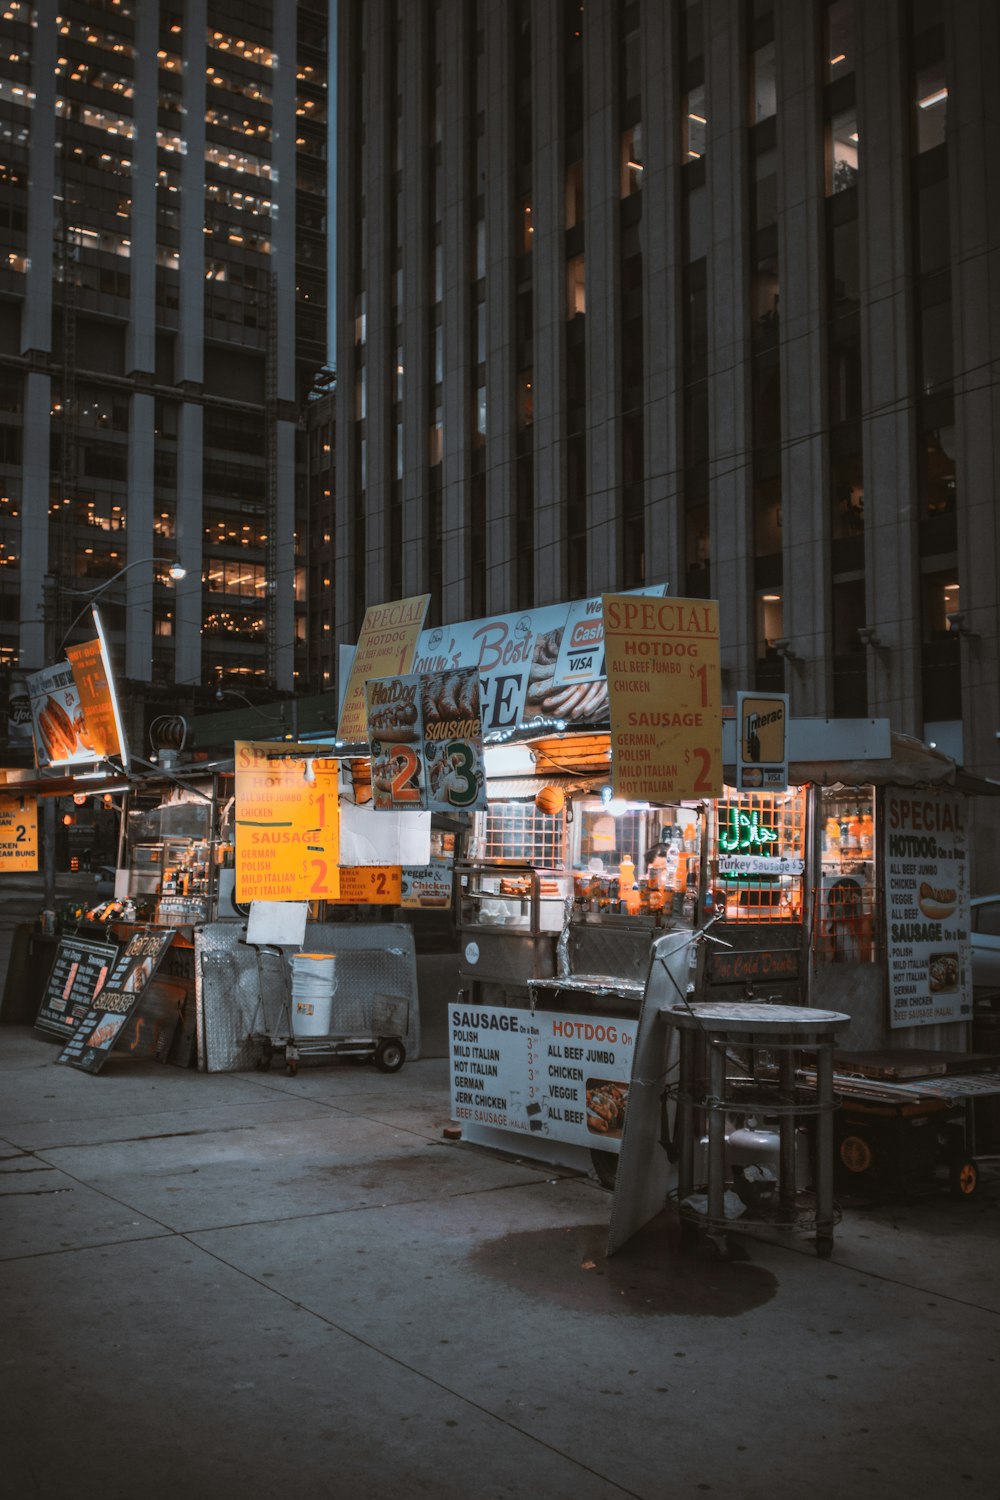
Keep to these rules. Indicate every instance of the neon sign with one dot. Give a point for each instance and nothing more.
(745, 833)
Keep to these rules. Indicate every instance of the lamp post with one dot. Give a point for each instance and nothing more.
(175, 568)
(53, 652)
(221, 693)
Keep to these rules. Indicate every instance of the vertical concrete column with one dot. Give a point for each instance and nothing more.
(191, 316)
(36, 309)
(806, 544)
(730, 465)
(415, 238)
(662, 321)
(379, 23)
(888, 419)
(187, 608)
(282, 192)
(458, 140)
(974, 180)
(141, 542)
(501, 435)
(281, 347)
(36, 337)
(284, 557)
(602, 197)
(140, 342)
(348, 45)
(549, 332)
(34, 516)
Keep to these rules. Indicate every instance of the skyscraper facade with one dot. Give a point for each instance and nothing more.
(163, 312)
(694, 291)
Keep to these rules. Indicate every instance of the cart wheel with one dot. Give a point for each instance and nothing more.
(963, 1178)
(264, 1061)
(292, 1066)
(390, 1055)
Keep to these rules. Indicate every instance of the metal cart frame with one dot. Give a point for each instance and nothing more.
(381, 1042)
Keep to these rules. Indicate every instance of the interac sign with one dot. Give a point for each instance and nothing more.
(762, 742)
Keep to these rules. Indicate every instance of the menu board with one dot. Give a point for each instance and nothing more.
(79, 972)
(664, 685)
(386, 644)
(98, 704)
(18, 832)
(57, 725)
(927, 907)
(98, 1030)
(557, 1076)
(287, 823)
(426, 740)
(428, 885)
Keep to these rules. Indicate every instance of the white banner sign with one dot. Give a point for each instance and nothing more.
(560, 1077)
(927, 907)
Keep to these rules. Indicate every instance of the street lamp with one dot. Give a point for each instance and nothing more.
(175, 568)
(222, 693)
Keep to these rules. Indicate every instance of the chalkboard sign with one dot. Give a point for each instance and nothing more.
(79, 972)
(120, 997)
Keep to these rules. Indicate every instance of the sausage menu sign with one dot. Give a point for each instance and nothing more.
(287, 824)
(927, 907)
(561, 1077)
(664, 685)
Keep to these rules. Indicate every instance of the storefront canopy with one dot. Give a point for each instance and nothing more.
(911, 763)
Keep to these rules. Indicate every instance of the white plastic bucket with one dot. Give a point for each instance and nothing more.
(314, 984)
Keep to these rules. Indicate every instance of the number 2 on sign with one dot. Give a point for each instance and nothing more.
(702, 782)
(406, 767)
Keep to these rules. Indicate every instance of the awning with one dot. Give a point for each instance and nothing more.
(912, 763)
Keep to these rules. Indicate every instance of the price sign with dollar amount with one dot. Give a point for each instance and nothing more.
(664, 686)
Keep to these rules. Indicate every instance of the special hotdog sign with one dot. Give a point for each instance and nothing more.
(927, 907)
(425, 733)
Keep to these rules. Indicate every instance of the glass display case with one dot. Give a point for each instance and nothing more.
(510, 897)
(844, 929)
(168, 857)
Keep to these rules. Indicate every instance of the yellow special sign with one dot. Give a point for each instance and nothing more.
(378, 885)
(287, 824)
(386, 646)
(18, 833)
(664, 689)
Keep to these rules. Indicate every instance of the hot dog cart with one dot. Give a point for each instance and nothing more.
(848, 892)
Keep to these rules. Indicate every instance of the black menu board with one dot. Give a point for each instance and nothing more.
(122, 994)
(79, 972)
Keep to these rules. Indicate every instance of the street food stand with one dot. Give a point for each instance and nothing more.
(822, 895)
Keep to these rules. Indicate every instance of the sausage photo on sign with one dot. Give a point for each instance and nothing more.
(575, 701)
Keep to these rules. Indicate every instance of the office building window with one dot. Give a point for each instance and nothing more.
(842, 146)
(839, 28)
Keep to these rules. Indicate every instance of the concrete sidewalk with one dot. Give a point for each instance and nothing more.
(253, 1285)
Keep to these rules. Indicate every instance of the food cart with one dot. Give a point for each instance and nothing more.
(822, 894)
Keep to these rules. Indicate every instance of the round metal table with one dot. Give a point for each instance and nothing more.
(765, 1040)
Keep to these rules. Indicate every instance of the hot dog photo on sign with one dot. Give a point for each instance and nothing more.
(57, 723)
(394, 736)
(453, 740)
